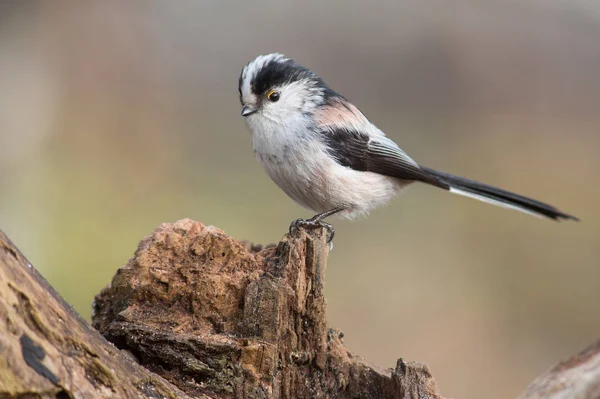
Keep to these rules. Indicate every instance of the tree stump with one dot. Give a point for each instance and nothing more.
(197, 314)
(227, 319)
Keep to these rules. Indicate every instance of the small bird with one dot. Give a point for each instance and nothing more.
(325, 154)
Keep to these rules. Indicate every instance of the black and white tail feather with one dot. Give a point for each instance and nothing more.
(496, 196)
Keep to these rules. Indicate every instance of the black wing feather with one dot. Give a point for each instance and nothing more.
(360, 152)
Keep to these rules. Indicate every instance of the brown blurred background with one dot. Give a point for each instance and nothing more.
(117, 116)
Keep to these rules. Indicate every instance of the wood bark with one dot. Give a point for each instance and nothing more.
(575, 378)
(48, 351)
(196, 314)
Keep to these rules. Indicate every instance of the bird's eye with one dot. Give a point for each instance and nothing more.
(273, 96)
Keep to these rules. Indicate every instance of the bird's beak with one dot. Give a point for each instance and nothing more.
(247, 110)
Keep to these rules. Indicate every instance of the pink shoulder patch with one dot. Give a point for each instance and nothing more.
(340, 113)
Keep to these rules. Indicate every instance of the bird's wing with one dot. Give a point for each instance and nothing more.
(378, 154)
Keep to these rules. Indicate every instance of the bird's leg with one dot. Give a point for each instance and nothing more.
(317, 221)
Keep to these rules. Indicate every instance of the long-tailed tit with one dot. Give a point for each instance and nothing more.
(328, 157)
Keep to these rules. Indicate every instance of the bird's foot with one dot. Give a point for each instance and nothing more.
(314, 223)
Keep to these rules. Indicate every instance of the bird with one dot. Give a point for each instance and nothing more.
(327, 156)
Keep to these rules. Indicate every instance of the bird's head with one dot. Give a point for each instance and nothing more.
(275, 88)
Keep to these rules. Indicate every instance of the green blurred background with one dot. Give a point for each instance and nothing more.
(116, 116)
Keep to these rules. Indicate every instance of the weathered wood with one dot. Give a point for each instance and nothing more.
(576, 378)
(200, 315)
(48, 351)
(217, 316)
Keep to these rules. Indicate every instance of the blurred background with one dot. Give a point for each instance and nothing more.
(118, 116)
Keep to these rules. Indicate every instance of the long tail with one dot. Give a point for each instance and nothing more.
(497, 196)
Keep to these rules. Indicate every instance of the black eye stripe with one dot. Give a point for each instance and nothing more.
(278, 73)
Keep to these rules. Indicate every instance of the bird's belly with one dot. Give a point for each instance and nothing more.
(315, 181)
(300, 178)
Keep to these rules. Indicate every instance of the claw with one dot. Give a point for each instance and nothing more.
(330, 231)
(294, 226)
(317, 221)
